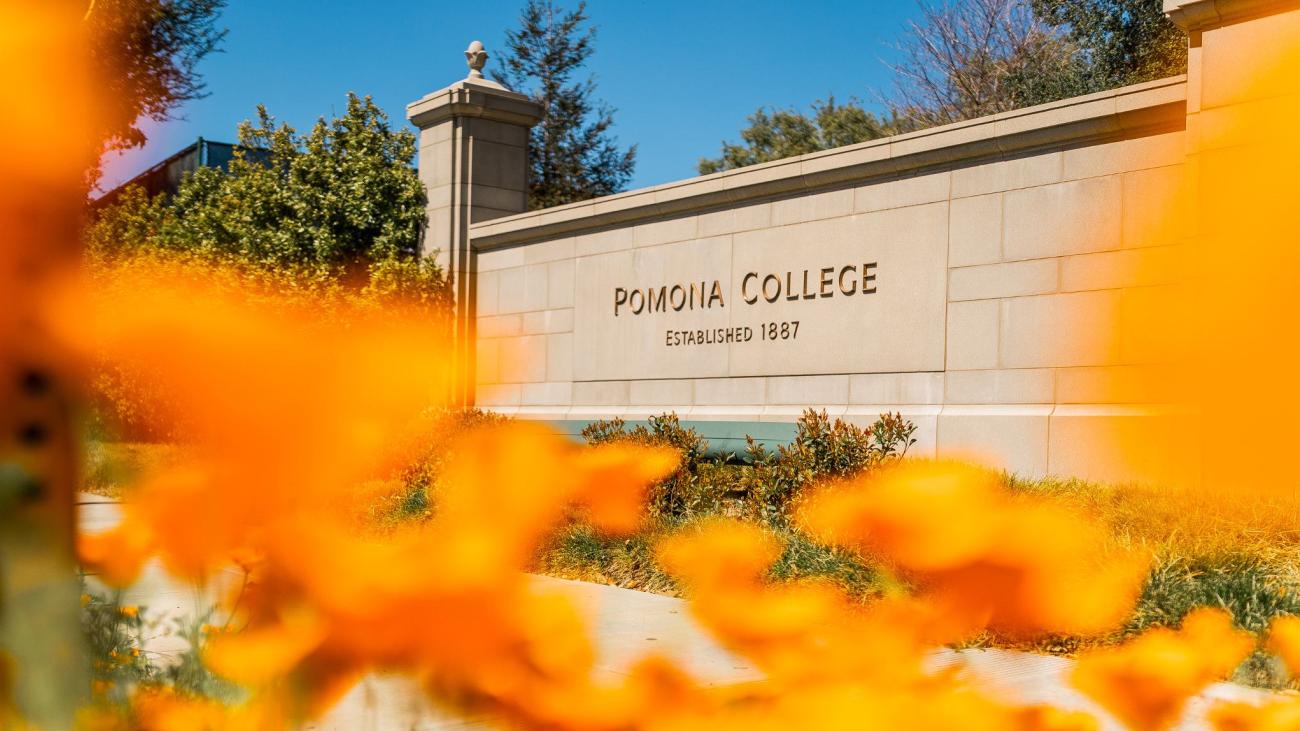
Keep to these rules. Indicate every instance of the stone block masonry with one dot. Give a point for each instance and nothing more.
(974, 277)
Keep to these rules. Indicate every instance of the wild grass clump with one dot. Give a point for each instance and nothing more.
(1250, 588)
(1181, 521)
(110, 468)
(579, 552)
(803, 559)
(1239, 552)
(115, 634)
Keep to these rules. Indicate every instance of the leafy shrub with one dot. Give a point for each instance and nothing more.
(338, 206)
(419, 477)
(822, 449)
(764, 486)
(579, 552)
(703, 485)
(330, 222)
(692, 488)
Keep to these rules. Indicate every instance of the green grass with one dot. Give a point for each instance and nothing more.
(1248, 587)
(804, 559)
(579, 552)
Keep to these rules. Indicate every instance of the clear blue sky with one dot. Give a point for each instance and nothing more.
(682, 74)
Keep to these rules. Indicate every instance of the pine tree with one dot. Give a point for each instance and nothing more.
(572, 155)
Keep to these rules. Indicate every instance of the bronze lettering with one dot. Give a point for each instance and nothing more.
(658, 299)
(775, 295)
(716, 294)
(744, 288)
(854, 281)
(707, 294)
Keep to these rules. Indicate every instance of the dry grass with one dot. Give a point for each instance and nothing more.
(1239, 551)
(1183, 522)
(111, 468)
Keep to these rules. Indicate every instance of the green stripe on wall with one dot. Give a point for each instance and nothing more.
(723, 436)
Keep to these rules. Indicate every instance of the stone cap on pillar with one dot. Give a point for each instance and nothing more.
(1197, 15)
(475, 96)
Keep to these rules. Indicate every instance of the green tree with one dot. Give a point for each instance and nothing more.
(972, 58)
(780, 133)
(962, 59)
(340, 206)
(1123, 41)
(146, 52)
(572, 154)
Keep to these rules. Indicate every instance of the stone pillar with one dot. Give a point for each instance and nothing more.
(1242, 92)
(1228, 38)
(474, 164)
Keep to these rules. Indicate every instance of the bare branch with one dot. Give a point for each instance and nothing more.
(961, 57)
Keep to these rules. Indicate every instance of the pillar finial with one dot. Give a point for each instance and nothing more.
(477, 58)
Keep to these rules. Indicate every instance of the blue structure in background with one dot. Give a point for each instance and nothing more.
(724, 437)
(166, 176)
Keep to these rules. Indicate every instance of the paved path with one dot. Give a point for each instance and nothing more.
(628, 624)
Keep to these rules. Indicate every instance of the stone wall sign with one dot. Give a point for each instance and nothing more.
(859, 294)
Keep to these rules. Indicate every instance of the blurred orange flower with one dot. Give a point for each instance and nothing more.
(1147, 681)
(1275, 716)
(984, 559)
(1284, 639)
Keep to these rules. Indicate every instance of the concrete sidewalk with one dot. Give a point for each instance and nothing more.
(626, 625)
